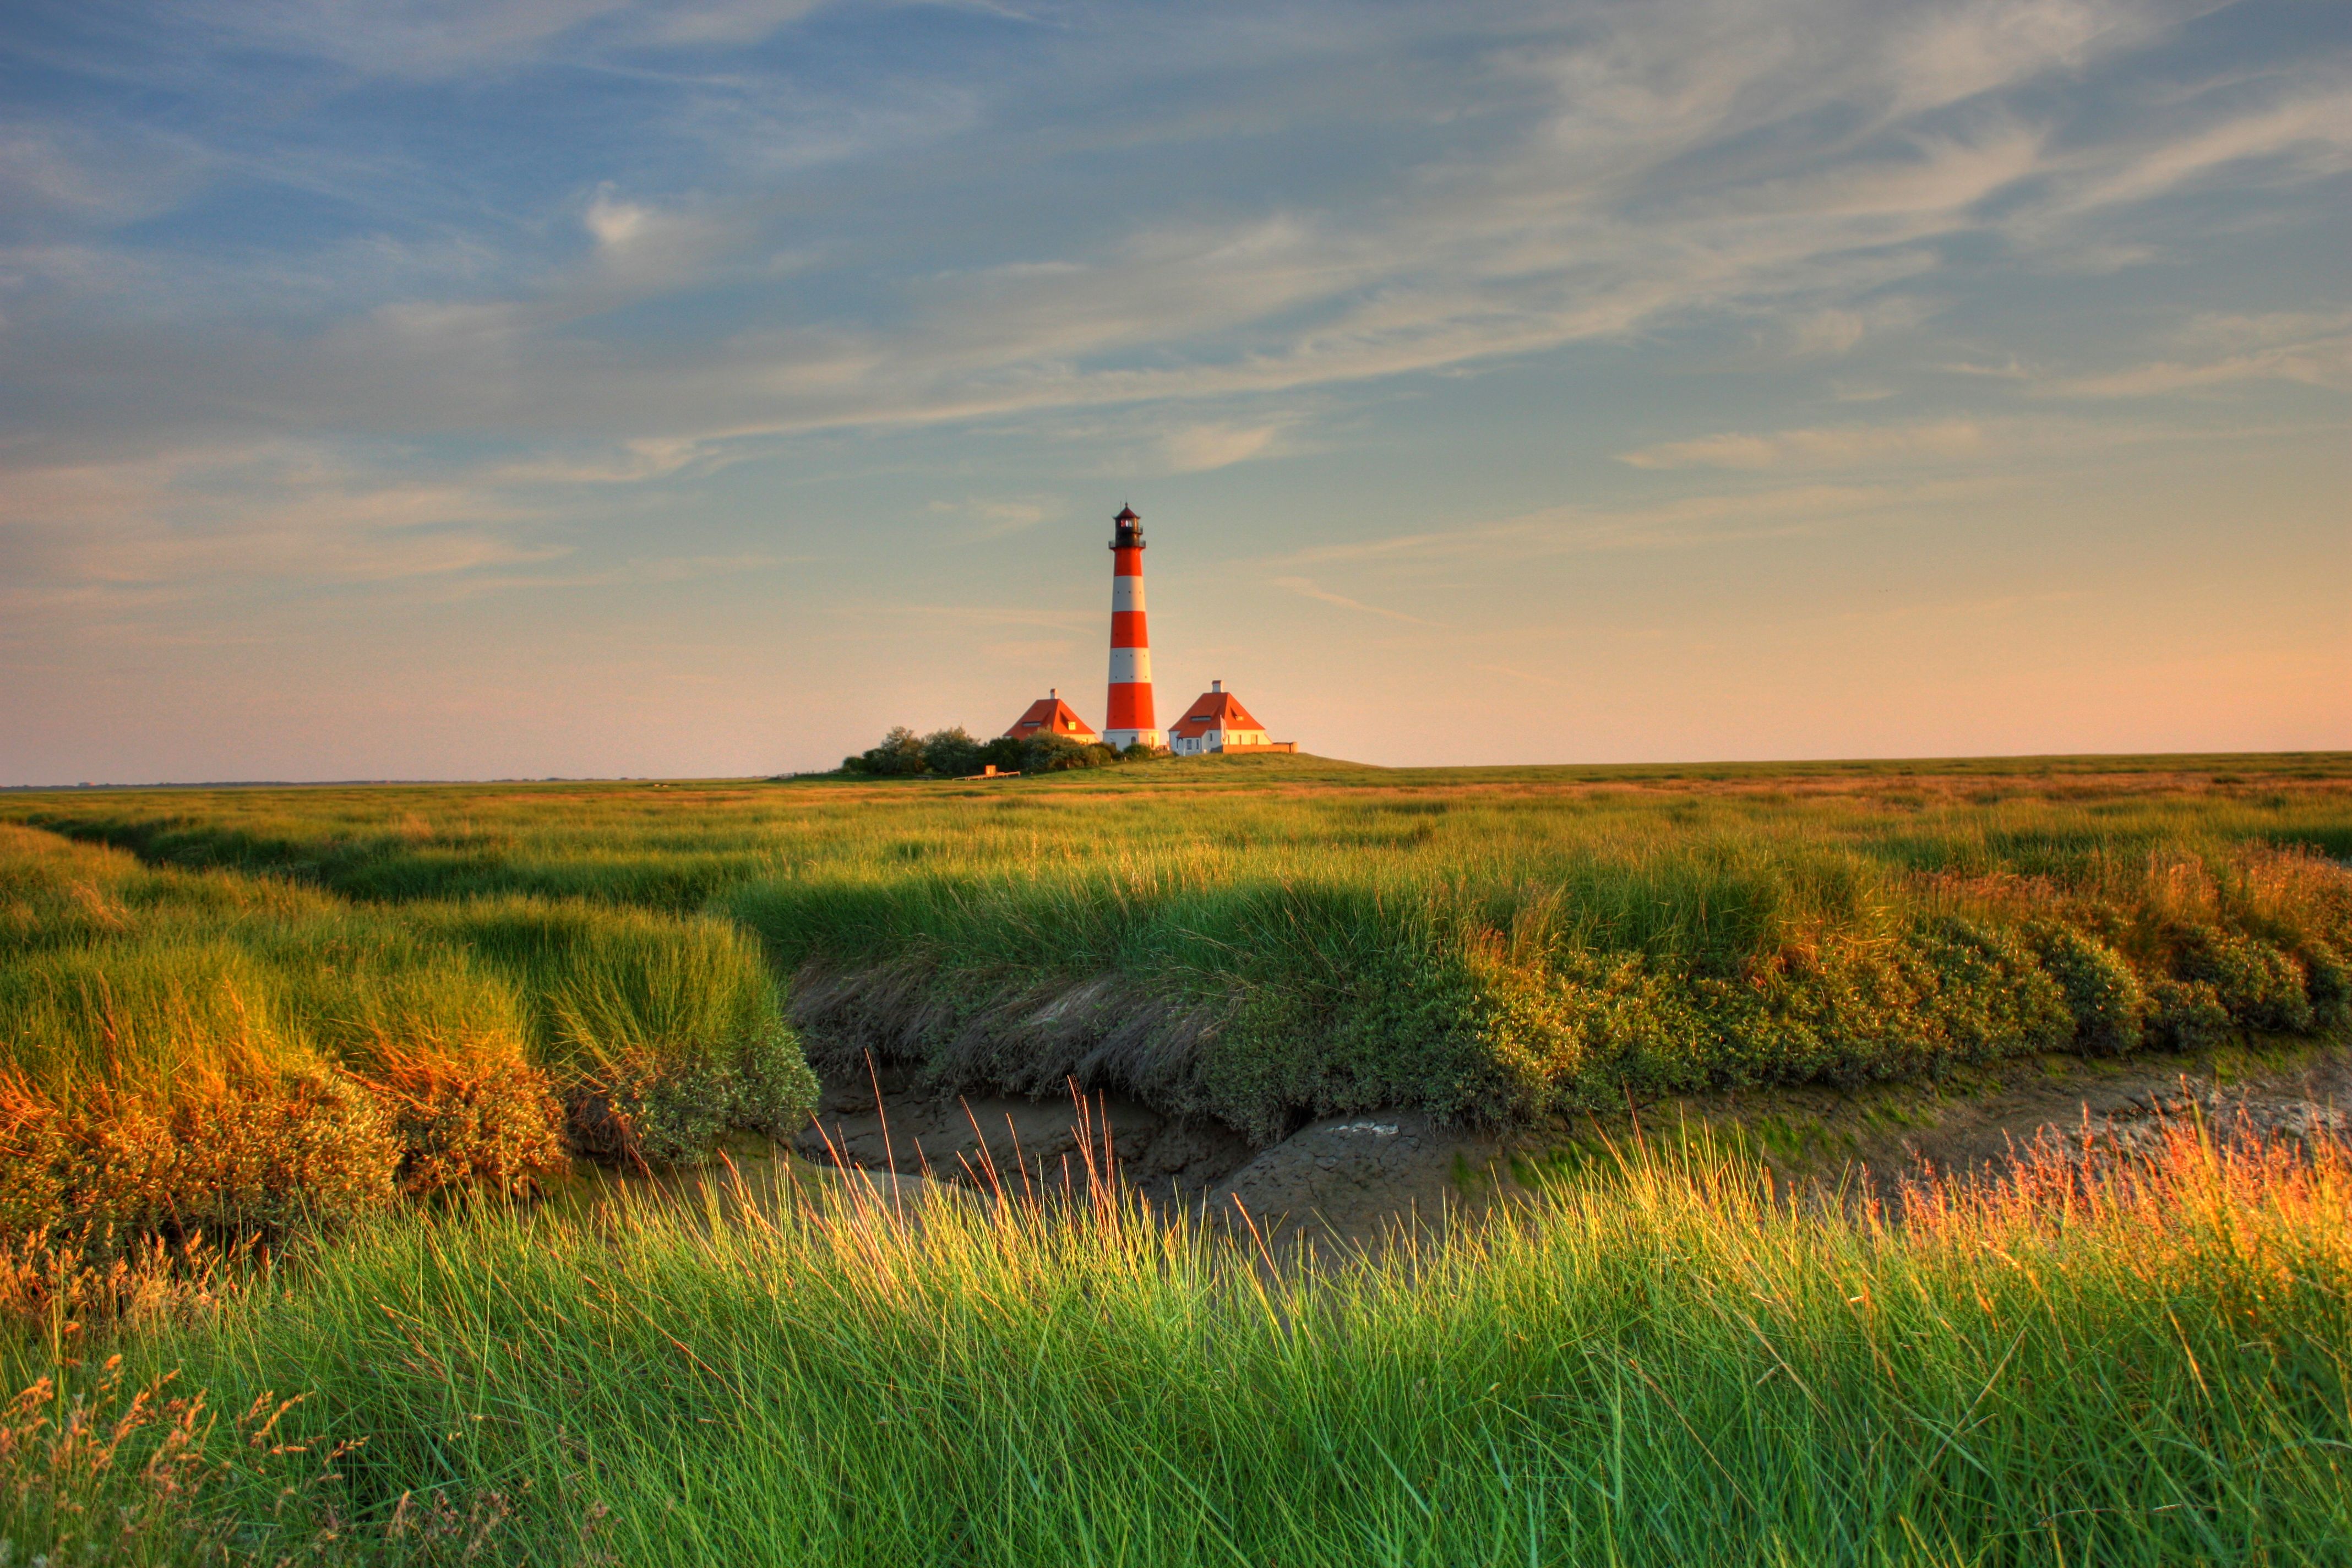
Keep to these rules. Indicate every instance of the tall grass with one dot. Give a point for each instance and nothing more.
(2144, 1365)
(1274, 939)
(205, 1051)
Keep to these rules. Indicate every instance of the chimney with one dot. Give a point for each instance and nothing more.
(1054, 692)
(1216, 686)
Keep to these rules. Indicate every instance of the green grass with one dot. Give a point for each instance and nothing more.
(297, 1001)
(203, 1050)
(1266, 939)
(1660, 1365)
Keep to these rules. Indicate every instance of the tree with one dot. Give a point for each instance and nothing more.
(1048, 754)
(951, 754)
(899, 755)
(1137, 752)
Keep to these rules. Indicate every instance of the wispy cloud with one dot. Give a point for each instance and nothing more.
(1305, 588)
(1837, 447)
(1638, 171)
(1198, 448)
(2312, 350)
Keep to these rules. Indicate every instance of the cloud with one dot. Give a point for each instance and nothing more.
(432, 40)
(1305, 588)
(1687, 522)
(1841, 447)
(617, 223)
(998, 516)
(2313, 349)
(1200, 447)
(734, 269)
(1956, 52)
(2309, 134)
(193, 518)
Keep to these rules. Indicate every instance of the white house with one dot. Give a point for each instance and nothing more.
(1218, 722)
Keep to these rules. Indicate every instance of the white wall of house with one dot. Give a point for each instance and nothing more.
(1217, 740)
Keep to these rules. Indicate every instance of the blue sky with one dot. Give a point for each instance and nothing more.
(566, 387)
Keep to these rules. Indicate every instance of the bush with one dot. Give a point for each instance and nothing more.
(2330, 984)
(253, 1157)
(1048, 754)
(2260, 986)
(2187, 1015)
(660, 1034)
(899, 755)
(951, 754)
(2108, 1003)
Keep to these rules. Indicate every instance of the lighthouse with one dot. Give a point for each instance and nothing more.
(1130, 718)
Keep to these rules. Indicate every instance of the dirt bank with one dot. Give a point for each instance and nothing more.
(1355, 1178)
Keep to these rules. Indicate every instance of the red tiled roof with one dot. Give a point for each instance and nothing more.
(1055, 717)
(1214, 711)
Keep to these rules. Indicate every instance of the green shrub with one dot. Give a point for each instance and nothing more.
(2187, 1015)
(2260, 986)
(950, 753)
(1045, 752)
(2329, 981)
(2108, 1003)
(899, 754)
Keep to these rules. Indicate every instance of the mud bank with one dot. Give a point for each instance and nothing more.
(1359, 1178)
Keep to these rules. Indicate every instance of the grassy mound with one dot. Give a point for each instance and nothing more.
(183, 1051)
(1662, 1366)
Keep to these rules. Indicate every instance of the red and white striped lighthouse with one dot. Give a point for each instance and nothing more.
(1130, 718)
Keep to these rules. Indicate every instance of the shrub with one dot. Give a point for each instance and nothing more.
(474, 1121)
(2329, 981)
(1048, 754)
(2186, 1015)
(2108, 1003)
(899, 755)
(233, 1158)
(2260, 986)
(951, 754)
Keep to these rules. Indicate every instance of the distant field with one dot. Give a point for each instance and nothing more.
(1270, 939)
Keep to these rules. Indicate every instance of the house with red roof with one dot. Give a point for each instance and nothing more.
(1218, 722)
(1049, 715)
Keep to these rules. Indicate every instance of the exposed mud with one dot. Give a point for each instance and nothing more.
(880, 1119)
(1359, 1178)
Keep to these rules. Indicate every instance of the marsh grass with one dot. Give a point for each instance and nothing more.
(204, 1052)
(1268, 939)
(1664, 1362)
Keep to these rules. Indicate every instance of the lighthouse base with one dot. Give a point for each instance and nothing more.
(1120, 739)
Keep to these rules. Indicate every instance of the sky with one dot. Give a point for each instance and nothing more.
(525, 388)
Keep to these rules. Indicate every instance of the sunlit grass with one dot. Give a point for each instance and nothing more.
(1268, 939)
(185, 1051)
(1662, 1364)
